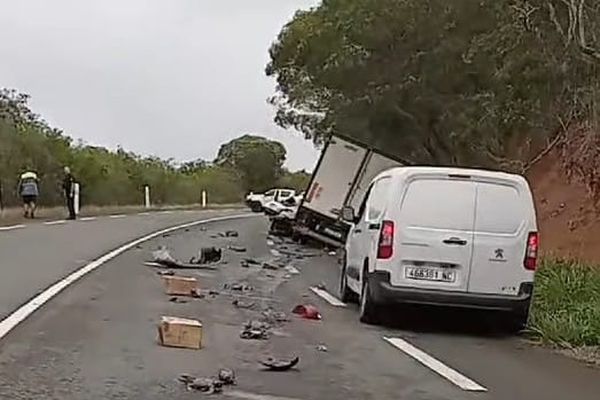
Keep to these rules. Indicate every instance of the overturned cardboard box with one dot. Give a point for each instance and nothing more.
(180, 332)
(180, 285)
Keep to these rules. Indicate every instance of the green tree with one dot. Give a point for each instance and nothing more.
(461, 82)
(257, 160)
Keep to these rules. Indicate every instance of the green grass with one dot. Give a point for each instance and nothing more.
(566, 305)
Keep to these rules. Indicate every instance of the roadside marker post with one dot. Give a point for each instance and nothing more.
(204, 199)
(147, 196)
(76, 198)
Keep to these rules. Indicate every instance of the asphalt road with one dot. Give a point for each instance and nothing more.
(98, 339)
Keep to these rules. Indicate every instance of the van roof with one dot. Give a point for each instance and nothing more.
(407, 172)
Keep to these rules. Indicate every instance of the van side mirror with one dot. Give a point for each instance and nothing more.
(348, 214)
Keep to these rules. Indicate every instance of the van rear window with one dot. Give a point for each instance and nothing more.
(439, 204)
(500, 209)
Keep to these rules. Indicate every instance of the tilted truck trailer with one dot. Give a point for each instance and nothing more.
(342, 177)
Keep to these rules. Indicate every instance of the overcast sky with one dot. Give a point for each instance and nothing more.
(173, 78)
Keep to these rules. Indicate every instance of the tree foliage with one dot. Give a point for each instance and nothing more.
(257, 160)
(107, 177)
(444, 82)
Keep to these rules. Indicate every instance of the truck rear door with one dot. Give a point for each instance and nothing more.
(334, 177)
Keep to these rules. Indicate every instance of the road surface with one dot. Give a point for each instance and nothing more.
(98, 339)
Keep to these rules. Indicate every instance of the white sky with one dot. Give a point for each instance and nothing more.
(171, 78)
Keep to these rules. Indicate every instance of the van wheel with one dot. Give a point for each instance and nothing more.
(346, 294)
(368, 308)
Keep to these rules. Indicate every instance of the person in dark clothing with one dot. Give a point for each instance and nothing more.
(69, 191)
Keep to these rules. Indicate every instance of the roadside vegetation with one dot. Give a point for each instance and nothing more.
(566, 307)
(110, 178)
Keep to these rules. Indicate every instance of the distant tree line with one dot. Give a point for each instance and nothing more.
(108, 177)
(445, 82)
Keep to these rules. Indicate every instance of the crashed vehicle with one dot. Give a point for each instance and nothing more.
(288, 205)
(283, 215)
(257, 202)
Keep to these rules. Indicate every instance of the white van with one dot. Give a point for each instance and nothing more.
(443, 236)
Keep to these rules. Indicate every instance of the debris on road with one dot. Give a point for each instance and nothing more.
(238, 287)
(180, 286)
(165, 272)
(270, 266)
(272, 317)
(307, 312)
(177, 300)
(332, 253)
(291, 270)
(322, 348)
(180, 332)
(255, 330)
(280, 365)
(237, 249)
(207, 255)
(321, 286)
(243, 305)
(197, 294)
(162, 258)
(225, 377)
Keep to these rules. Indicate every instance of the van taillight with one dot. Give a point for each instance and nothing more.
(531, 254)
(386, 241)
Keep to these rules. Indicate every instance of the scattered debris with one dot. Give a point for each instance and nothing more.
(238, 287)
(227, 376)
(180, 332)
(208, 255)
(213, 293)
(321, 286)
(237, 249)
(179, 285)
(229, 234)
(292, 270)
(276, 253)
(307, 312)
(162, 258)
(332, 253)
(322, 348)
(203, 229)
(165, 272)
(255, 330)
(243, 305)
(280, 365)
(270, 242)
(177, 300)
(270, 266)
(197, 294)
(272, 317)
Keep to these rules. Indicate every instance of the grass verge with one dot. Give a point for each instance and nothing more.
(566, 306)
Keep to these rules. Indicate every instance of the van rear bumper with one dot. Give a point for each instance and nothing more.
(384, 292)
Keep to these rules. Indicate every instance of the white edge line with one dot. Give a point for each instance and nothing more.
(12, 227)
(143, 213)
(19, 315)
(59, 222)
(117, 216)
(334, 301)
(85, 219)
(435, 365)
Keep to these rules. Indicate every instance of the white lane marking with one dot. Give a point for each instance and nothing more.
(117, 216)
(334, 301)
(238, 394)
(435, 365)
(12, 227)
(85, 219)
(165, 212)
(59, 222)
(144, 213)
(19, 315)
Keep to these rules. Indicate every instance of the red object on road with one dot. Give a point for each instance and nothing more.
(307, 312)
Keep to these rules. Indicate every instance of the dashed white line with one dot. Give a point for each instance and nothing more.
(238, 394)
(85, 219)
(59, 222)
(19, 315)
(165, 212)
(435, 365)
(117, 216)
(334, 301)
(12, 227)
(144, 213)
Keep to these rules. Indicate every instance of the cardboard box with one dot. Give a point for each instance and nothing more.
(180, 286)
(180, 332)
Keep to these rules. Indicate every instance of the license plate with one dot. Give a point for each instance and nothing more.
(430, 274)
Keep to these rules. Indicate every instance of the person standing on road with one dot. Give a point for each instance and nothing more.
(69, 191)
(29, 190)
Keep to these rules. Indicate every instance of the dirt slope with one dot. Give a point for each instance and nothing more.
(568, 218)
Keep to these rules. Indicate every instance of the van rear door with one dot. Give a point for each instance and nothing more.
(435, 234)
(503, 219)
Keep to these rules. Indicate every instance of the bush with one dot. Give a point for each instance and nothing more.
(566, 305)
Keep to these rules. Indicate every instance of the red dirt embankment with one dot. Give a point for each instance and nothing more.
(565, 185)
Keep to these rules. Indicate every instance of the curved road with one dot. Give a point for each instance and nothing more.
(97, 339)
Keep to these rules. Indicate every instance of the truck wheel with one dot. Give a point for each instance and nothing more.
(368, 308)
(346, 294)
